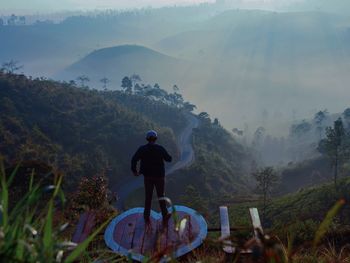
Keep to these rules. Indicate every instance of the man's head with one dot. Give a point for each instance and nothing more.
(151, 136)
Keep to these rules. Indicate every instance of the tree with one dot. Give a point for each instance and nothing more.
(157, 93)
(301, 129)
(135, 78)
(138, 89)
(12, 20)
(237, 132)
(346, 115)
(334, 146)
(11, 66)
(127, 84)
(203, 115)
(72, 83)
(188, 106)
(83, 79)
(176, 88)
(177, 99)
(319, 119)
(216, 122)
(22, 20)
(267, 180)
(259, 135)
(104, 81)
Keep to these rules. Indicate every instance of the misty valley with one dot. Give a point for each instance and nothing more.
(236, 112)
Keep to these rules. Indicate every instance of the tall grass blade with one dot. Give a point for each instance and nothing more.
(47, 239)
(4, 198)
(28, 199)
(322, 230)
(58, 186)
(31, 181)
(20, 251)
(12, 175)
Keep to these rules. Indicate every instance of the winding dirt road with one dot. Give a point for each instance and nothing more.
(186, 158)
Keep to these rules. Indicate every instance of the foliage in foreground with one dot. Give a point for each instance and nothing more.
(28, 233)
(27, 230)
(271, 249)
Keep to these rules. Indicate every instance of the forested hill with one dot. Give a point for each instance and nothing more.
(84, 132)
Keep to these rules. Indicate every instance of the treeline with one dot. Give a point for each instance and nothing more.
(300, 144)
(321, 147)
(143, 98)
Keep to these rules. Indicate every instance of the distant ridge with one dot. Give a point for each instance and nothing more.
(119, 61)
(124, 50)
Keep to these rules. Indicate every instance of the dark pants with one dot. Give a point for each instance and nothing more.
(150, 184)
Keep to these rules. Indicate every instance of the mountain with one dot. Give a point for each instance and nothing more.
(336, 6)
(117, 62)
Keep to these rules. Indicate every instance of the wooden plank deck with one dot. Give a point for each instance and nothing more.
(128, 234)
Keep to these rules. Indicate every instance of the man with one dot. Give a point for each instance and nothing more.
(152, 157)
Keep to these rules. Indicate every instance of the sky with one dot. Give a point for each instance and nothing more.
(7, 6)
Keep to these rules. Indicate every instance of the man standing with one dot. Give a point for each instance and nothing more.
(152, 157)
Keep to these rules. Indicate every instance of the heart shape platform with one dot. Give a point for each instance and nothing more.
(128, 235)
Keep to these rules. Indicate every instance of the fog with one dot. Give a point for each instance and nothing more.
(52, 6)
(248, 63)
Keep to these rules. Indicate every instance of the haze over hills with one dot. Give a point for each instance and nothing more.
(275, 61)
(335, 6)
(46, 47)
(279, 62)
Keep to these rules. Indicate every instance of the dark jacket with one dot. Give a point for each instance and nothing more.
(152, 157)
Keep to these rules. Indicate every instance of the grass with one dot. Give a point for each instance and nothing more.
(308, 226)
(27, 230)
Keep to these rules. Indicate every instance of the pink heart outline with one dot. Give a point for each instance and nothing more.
(109, 238)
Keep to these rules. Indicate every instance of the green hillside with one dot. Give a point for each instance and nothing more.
(80, 131)
(84, 132)
(220, 167)
(299, 214)
(305, 174)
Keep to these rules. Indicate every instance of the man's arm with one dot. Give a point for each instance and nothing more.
(166, 156)
(134, 160)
